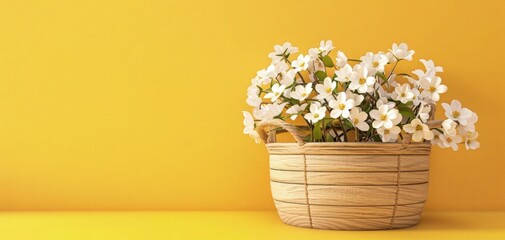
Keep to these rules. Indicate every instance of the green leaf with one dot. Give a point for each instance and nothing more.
(320, 75)
(291, 101)
(348, 124)
(402, 74)
(327, 61)
(329, 124)
(366, 107)
(407, 113)
(381, 75)
(317, 132)
(328, 138)
(403, 105)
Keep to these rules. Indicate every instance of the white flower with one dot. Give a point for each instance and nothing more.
(471, 140)
(389, 135)
(384, 100)
(289, 77)
(248, 122)
(358, 98)
(456, 113)
(391, 57)
(417, 97)
(470, 122)
(253, 98)
(276, 92)
(341, 60)
(361, 81)
(265, 75)
(256, 81)
(448, 141)
(301, 63)
(392, 80)
(323, 50)
(385, 117)
(436, 139)
(402, 51)
(424, 112)
(345, 73)
(325, 90)
(430, 66)
(314, 66)
(383, 92)
(281, 51)
(268, 111)
(414, 82)
(358, 118)
(432, 88)
(341, 106)
(325, 47)
(449, 127)
(374, 62)
(295, 110)
(281, 67)
(302, 92)
(287, 93)
(430, 71)
(418, 130)
(316, 113)
(249, 126)
(403, 93)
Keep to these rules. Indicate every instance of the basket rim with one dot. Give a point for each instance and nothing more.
(343, 144)
(357, 148)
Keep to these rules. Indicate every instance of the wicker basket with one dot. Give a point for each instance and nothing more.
(347, 185)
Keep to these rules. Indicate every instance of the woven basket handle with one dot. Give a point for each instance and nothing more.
(266, 126)
(434, 123)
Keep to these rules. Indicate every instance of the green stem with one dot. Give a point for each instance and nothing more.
(298, 73)
(343, 129)
(353, 60)
(392, 70)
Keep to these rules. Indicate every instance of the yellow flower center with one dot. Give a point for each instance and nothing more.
(456, 114)
(402, 95)
(449, 140)
(361, 81)
(386, 131)
(316, 115)
(328, 90)
(375, 64)
(356, 121)
(304, 94)
(341, 106)
(432, 89)
(384, 117)
(419, 128)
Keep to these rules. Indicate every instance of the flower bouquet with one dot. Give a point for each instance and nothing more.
(364, 135)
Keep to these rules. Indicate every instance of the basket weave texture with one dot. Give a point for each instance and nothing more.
(347, 185)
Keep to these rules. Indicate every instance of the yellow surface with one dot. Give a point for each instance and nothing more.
(136, 104)
(230, 225)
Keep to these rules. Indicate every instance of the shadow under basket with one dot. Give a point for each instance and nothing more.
(349, 185)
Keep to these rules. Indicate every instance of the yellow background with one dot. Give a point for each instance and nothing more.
(136, 104)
